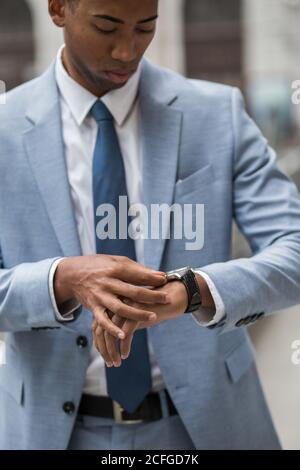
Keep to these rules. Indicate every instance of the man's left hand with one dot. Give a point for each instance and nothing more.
(114, 350)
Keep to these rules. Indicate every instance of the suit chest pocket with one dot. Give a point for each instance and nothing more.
(194, 182)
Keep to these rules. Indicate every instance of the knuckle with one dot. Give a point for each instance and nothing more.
(133, 314)
(140, 294)
(118, 309)
(110, 332)
(140, 313)
(134, 292)
(114, 333)
(100, 323)
(146, 278)
(105, 282)
(120, 259)
(114, 270)
(98, 312)
(151, 294)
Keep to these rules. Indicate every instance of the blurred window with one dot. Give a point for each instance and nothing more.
(16, 42)
(213, 38)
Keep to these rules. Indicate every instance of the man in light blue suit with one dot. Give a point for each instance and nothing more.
(196, 145)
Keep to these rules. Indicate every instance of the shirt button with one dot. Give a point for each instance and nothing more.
(69, 407)
(82, 341)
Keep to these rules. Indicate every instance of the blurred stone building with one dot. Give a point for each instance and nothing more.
(253, 44)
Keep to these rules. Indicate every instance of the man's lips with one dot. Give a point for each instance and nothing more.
(119, 76)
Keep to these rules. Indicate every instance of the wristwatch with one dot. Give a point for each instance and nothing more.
(187, 276)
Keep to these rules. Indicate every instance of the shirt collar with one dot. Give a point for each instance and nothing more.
(80, 101)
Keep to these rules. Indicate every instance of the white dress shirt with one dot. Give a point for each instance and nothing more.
(79, 135)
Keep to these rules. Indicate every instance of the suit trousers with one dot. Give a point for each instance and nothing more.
(93, 433)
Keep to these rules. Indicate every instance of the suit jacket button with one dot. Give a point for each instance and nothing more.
(69, 407)
(82, 341)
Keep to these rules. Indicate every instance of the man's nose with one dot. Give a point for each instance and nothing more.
(125, 51)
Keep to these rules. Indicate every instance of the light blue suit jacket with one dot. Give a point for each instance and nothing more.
(192, 131)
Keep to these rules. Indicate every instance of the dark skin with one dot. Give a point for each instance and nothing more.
(101, 54)
(95, 45)
(114, 351)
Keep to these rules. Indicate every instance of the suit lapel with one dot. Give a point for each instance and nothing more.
(44, 148)
(160, 129)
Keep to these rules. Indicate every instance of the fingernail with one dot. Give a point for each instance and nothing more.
(121, 335)
(152, 317)
(109, 364)
(124, 357)
(116, 364)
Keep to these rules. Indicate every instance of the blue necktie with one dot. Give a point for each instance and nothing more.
(131, 382)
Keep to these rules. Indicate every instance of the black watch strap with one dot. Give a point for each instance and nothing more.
(193, 291)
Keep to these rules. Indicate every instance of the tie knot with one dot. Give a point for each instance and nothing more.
(100, 112)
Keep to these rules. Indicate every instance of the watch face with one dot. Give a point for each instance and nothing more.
(176, 274)
(173, 276)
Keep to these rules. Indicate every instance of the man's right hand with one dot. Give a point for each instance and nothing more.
(102, 282)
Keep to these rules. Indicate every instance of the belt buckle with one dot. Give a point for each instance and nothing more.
(118, 415)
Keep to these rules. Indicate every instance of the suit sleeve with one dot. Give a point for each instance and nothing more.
(25, 300)
(266, 206)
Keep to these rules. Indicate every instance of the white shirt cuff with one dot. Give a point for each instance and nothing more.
(63, 313)
(206, 316)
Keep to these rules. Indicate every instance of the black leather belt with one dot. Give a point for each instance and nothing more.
(104, 407)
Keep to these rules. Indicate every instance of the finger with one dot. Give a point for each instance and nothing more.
(112, 344)
(125, 345)
(100, 344)
(104, 321)
(141, 276)
(117, 320)
(139, 325)
(129, 327)
(118, 307)
(138, 294)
